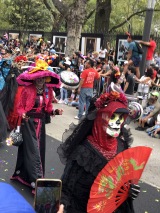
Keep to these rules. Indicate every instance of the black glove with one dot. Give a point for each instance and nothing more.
(134, 191)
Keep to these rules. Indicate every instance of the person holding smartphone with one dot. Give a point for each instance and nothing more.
(97, 139)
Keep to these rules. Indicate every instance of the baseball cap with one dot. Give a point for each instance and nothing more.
(155, 93)
(67, 62)
(52, 51)
(17, 49)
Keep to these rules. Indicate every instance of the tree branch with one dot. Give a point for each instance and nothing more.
(90, 14)
(127, 19)
(61, 7)
(48, 6)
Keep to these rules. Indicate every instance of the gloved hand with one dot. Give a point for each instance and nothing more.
(134, 191)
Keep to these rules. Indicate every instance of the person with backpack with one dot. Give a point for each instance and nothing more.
(151, 44)
(134, 56)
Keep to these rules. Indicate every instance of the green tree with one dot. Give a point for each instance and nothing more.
(28, 15)
(75, 14)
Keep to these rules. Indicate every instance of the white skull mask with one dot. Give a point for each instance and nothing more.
(114, 124)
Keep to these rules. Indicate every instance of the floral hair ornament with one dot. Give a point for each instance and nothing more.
(20, 58)
(106, 98)
(51, 58)
(39, 56)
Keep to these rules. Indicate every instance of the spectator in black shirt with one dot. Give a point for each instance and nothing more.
(130, 81)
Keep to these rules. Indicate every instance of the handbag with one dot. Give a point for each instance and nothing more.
(15, 137)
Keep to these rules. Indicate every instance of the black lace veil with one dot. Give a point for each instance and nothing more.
(76, 134)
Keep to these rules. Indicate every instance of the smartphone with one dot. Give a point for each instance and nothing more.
(47, 195)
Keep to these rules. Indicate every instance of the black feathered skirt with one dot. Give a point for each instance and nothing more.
(31, 153)
(3, 124)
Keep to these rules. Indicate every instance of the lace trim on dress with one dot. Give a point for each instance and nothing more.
(107, 154)
(89, 158)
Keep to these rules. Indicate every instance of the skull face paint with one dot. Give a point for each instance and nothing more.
(114, 124)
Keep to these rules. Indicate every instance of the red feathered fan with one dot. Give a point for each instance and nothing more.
(111, 186)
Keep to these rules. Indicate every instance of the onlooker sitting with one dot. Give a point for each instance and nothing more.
(150, 112)
(74, 101)
(145, 82)
(63, 90)
(130, 80)
(62, 65)
(154, 131)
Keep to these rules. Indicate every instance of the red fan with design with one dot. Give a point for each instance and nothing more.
(111, 186)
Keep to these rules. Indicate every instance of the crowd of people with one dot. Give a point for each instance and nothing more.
(30, 81)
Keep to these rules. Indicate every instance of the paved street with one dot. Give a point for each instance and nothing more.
(149, 198)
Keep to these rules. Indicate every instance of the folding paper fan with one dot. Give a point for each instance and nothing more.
(111, 186)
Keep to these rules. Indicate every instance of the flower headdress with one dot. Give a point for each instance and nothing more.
(39, 65)
(106, 98)
(39, 69)
(20, 58)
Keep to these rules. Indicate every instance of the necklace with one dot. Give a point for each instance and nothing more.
(39, 90)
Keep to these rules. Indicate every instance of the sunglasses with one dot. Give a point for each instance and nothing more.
(3, 53)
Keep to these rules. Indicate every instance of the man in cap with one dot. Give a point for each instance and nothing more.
(52, 51)
(150, 112)
(54, 57)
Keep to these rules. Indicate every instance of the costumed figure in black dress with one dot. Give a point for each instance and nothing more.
(14, 90)
(97, 139)
(5, 66)
(5, 92)
(3, 124)
(36, 99)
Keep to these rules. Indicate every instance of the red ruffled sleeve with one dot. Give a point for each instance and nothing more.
(27, 99)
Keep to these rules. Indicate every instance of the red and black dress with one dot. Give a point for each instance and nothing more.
(31, 153)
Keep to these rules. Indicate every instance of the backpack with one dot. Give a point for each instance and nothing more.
(139, 48)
